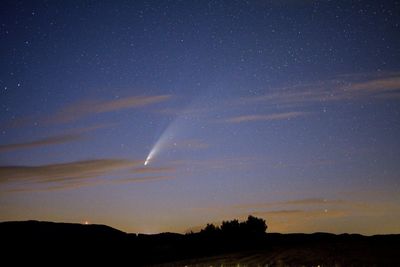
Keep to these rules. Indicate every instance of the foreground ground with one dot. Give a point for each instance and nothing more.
(55, 243)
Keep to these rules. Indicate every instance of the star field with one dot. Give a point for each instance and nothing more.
(287, 110)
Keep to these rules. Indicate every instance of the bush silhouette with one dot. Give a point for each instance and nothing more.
(253, 226)
(231, 227)
(210, 229)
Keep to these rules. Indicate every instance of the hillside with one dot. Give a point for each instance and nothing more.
(100, 243)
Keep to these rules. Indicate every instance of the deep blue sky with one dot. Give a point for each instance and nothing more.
(288, 110)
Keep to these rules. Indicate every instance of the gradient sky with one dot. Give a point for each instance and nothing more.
(284, 109)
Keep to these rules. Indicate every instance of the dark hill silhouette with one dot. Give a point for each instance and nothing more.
(32, 230)
(234, 242)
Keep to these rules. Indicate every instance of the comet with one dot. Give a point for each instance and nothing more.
(172, 131)
(149, 157)
(162, 142)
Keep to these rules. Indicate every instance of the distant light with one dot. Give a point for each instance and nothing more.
(86, 223)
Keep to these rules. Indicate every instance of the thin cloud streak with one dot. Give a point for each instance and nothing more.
(76, 174)
(56, 187)
(280, 212)
(344, 88)
(52, 140)
(63, 171)
(266, 117)
(83, 109)
(73, 135)
(311, 201)
(303, 201)
(86, 183)
(377, 86)
(304, 214)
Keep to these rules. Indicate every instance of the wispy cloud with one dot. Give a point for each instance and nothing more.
(78, 174)
(63, 172)
(279, 212)
(83, 109)
(311, 201)
(351, 87)
(296, 202)
(266, 117)
(68, 185)
(319, 214)
(73, 135)
(297, 99)
(382, 85)
(340, 217)
(86, 108)
(313, 214)
(46, 187)
(52, 140)
(303, 214)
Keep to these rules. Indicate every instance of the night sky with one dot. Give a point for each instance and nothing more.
(154, 116)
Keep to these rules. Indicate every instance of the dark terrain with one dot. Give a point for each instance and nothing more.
(46, 242)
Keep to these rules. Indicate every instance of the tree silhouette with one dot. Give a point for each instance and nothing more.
(210, 229)
(230, 229)
(254, 226)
